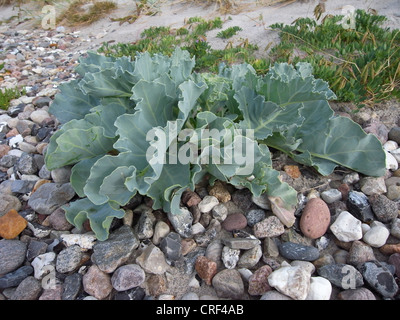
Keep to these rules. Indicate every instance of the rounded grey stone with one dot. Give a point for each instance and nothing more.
(274, 295)
(14, 278)
(254, 216)
(12, 255)
(342, 275)
(61, 175)
(69, 259)
(296, 251)
(72, 286)
(127, 277)
(50, 196)
(8, 202)
(29, 289)
(379, 278)
(228, 284)
(385, 209)
(108, 255)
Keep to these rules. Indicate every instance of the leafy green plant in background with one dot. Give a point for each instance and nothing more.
(8, 94)
(191, 37)
(362, 65)
(107, 113)
(229, 32)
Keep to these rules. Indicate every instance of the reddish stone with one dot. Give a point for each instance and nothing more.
(12, 133)
(97, 283)
(344, 190)
(12, 224)
(234, 221)
(315, 219)
(4, 149)
(258, 282)
(190, 198)
(206, 269)
(52, 294)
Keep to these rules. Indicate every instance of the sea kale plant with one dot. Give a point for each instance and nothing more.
(153, 126)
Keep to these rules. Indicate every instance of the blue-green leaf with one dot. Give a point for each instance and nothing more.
(71, 103)
(100, 217)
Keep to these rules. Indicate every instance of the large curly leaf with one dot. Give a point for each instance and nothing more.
(77, 141)
(86, 138)
(71, 103)
(325, 141)
(266, 117)
(289, 108)
(100, 217)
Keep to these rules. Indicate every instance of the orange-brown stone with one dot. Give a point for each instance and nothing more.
(12, 224)
(293, 171)
(315, 219)
(206, 269)
(389, 249)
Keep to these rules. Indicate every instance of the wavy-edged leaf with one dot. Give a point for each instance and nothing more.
(100, 217)
(285, 85)
(100, 170)
(76, 141)
(93, 62)
(71, 103)
(173, 177)
(80, 173)
(106, 83)
(265, 117)
(325, 141)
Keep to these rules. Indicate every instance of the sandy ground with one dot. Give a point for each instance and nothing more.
(254, 17)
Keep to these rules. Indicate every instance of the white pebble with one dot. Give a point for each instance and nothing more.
(351, 178)
(347, 227)
(396, 154)
(320, 289)
(391, 162)
(42, 264)
(390, 145)
(365, 228)
(376, 237)
(85, 241)
(14, 141)
(291, 281)
(198, 228)
(207, 204)
(15, 152)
